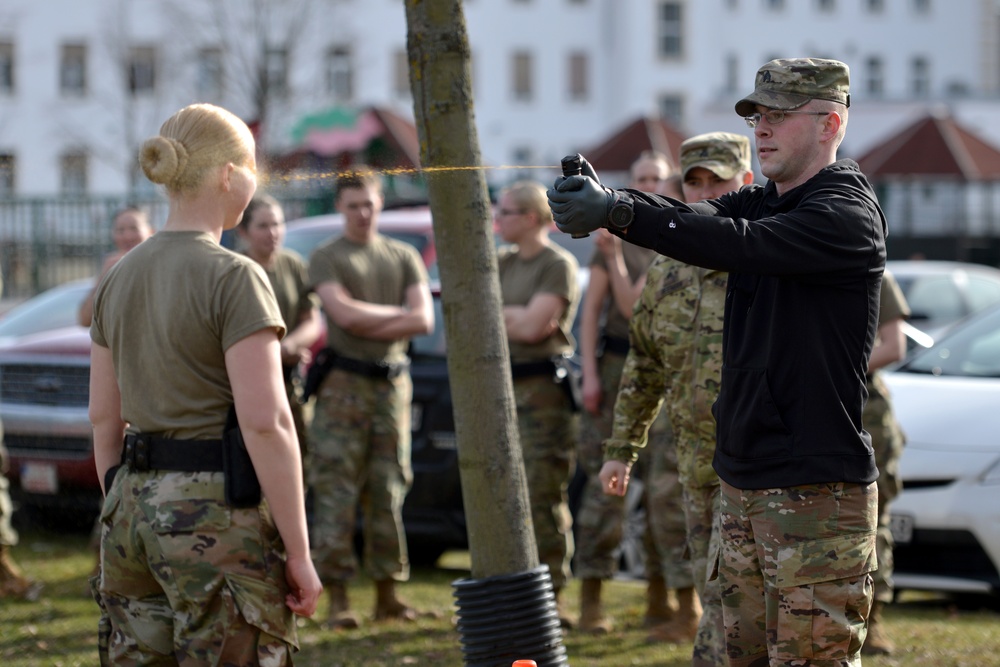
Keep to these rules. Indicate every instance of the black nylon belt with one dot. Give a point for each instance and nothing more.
(145, 452)
(531, 369)
(370, 369)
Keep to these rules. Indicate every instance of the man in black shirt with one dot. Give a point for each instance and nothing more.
(805, 253)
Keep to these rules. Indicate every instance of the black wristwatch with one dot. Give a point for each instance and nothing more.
(621, 214)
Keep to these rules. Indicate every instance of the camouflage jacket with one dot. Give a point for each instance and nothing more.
(676, 355)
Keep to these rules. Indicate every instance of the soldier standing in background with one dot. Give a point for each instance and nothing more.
(375, 294)
(887, 441)
(538, 285)
(262, 229)
(677, 329)
(617, 276)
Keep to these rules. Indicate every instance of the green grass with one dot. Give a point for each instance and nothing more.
(60, 628)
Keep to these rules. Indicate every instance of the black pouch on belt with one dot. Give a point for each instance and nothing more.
(242, 485)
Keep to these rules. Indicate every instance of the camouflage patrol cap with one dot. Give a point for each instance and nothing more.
(790, 83)
(724, 154)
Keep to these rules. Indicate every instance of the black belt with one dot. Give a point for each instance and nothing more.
(372, 369)
(151, 452)
(616, 345)
(531, 369)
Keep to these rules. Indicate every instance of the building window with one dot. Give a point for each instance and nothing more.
(276, 68)
(73, 174)
(401, 78)
(142, 70)
(522, 84)
(920, 77)
(7, 174)
(875, 6)
(73, 70)
(210, 72)
(875, 77)
(670, 30)
(671, 109)
(826, 5)
(579, 90)
(339, 73)
(6, 67)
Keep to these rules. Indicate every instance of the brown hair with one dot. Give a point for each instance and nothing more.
(257, 203)
(360, 176)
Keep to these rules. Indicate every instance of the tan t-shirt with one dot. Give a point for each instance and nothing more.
(637, 260)
(891, 302)
(552, 271)
(380, 271)
(168, 311)
(289, 278)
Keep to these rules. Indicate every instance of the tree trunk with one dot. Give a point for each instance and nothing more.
(501, 537)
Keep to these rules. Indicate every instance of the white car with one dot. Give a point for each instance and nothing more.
(946, 522)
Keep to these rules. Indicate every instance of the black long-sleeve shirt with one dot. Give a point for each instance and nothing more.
(801, 314)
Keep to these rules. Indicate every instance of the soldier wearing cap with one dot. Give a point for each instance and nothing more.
(805, 254)
(676, 331)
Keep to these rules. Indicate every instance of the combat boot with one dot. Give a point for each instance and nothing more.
(877, 641)
(683, 627)
(592, 618)
(388, 606)
(340, 616)
(658, 609)
(13, 583)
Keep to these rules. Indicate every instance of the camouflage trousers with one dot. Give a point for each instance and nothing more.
(360, 456)
(548, 430)
(794, 569)
(8, 536)
(888, 441)
(301, 414)
(701, 511)
(599, 519)
(186, 579)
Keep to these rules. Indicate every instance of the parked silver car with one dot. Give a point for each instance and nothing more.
(946, 522)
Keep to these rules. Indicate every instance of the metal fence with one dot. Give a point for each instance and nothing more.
(45, 242)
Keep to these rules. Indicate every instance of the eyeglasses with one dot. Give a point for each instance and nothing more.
(777, 116)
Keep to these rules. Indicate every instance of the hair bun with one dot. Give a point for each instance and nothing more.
(163, 159)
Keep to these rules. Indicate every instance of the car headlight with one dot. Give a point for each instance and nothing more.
(992, 475)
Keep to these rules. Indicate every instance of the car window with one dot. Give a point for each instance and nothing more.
(973, 350)
(932, 298)
(55, 309)
(982, 293)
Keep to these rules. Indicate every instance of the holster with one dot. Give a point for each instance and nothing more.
(318, 370)
(570, 376)
(241, 484)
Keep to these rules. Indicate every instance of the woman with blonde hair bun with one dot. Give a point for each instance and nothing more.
(197, 564)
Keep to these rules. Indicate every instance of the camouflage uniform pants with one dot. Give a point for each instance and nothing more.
(667, 534)
(794, 570)
(701, 511)
(188, 580)
(548, 430)
(599, 519)
(8, 536)
(360, 454)
(301, 414)
(888, 441)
